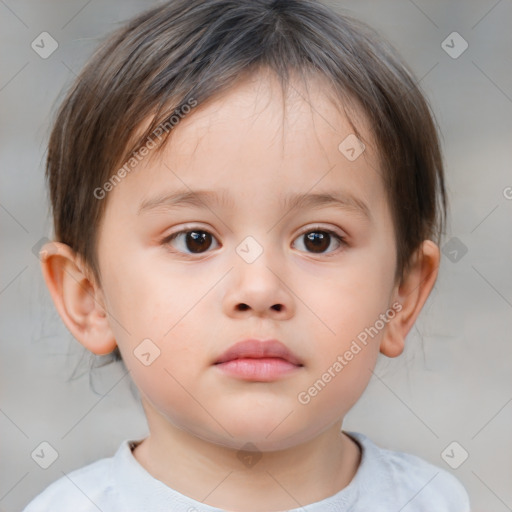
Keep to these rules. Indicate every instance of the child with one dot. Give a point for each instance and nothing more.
(293, 145)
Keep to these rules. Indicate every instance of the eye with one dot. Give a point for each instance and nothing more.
(196, 241)
(317, 240)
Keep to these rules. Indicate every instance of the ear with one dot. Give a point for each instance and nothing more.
(78, 299)
(411, 294)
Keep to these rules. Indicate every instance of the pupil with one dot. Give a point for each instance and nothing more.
(319, 240)
(197, 241)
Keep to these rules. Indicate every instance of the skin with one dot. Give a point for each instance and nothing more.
(189, 304)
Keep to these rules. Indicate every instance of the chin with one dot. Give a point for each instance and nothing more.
(257, 434)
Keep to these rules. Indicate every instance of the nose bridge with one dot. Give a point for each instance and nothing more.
(259, 280)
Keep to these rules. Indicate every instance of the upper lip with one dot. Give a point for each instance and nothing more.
(257, 349)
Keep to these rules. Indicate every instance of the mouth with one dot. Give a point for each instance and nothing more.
(259, 361)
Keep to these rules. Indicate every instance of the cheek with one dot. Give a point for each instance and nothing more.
(167, 388)
(348, 308)
(352, 298)
(342, 363)
(171, 370)
(145, 303)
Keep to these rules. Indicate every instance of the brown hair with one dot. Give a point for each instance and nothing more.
(183, 49)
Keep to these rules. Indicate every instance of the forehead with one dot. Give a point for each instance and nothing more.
(258, 141)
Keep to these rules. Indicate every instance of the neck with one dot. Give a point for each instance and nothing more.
(248, 481)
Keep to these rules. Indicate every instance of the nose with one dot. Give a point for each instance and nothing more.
(261, 288)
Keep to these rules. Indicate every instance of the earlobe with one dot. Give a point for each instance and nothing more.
(411, 294)
(77, 298)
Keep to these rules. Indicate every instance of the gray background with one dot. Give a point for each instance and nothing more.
(453, 383)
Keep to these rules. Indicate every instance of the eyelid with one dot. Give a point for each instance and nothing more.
(319, 227)
(189, 227)
(341, 239)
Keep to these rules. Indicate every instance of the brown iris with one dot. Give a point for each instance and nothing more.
(318, 241)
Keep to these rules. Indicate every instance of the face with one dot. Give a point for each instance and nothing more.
(242, 261)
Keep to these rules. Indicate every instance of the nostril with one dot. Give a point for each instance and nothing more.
(244, 307)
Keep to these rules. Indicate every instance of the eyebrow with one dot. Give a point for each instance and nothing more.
(207, 199)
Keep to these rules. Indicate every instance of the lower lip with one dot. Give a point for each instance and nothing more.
(259, 370)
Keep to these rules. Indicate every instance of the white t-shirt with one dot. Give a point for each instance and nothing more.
(386, 481)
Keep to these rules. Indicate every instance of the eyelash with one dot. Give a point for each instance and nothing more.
(339, 238)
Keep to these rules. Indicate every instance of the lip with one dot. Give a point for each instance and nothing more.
(258, 360)
(257, 349)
